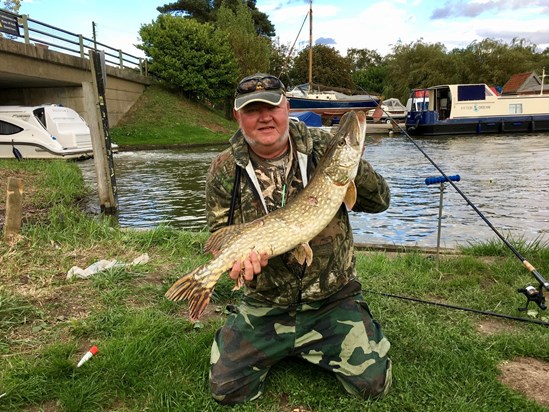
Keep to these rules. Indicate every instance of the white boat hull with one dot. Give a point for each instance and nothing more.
(36, 151)
(44, 132)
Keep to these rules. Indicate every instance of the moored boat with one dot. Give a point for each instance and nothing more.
(390, 111)
(43, 132)
(477, 109)
(329, 102)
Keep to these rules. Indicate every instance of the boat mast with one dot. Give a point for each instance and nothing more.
(310, 42)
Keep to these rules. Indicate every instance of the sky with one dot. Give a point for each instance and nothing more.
(342, 24)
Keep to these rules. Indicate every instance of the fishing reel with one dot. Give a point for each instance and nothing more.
(533, 295)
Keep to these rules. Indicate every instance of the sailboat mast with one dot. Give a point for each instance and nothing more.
(310, 42)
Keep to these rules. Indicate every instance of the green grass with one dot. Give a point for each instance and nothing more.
(151, 358)
(162, 118)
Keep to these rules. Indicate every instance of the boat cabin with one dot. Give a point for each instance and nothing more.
(42, 132)
(476, 109)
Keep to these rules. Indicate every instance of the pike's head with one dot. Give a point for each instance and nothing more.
(344, 154)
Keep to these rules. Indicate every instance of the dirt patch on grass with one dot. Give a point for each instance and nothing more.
(495, 326)
(528, 376)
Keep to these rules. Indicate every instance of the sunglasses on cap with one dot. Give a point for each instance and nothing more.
(265, 83)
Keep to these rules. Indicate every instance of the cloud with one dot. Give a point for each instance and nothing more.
(325, 40)
(475, 8)
(281, 5)
(538, 37)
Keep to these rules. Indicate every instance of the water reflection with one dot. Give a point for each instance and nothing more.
(505, 177)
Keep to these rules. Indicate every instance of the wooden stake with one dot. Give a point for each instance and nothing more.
(14, 207)
(94, 99)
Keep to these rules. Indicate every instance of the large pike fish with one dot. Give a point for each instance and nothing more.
(291, 227)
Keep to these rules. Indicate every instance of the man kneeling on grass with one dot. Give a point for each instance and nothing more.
(315, 312)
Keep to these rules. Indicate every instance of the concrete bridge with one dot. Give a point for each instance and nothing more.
(32, 74)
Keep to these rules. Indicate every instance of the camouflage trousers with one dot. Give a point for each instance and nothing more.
(337, 334)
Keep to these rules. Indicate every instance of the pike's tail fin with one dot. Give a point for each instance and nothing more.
(190, 288)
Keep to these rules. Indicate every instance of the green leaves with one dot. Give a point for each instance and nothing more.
(195, 57)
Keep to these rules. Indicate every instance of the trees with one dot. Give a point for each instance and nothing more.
(251, 51)
(205, 11)
(12, 5)
(329, 68)
(369, 70)
(192, 56)
(216, 42)
(494, 62)
(415, 65)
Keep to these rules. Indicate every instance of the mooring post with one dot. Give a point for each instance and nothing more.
(14, 207)
(442, 187)
(94, 100)
(441, 180)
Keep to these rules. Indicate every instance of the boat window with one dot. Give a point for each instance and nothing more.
(40, 115)
(8, 128)
(471, 92)
(515, 108)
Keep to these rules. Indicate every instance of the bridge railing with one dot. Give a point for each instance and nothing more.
(46, 35)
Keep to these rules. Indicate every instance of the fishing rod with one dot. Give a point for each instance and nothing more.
(445, 305)
(532, 293)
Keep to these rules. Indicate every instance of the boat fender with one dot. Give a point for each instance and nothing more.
(16, 153)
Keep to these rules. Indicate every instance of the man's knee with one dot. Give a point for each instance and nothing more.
(369, 386)
(231, 393)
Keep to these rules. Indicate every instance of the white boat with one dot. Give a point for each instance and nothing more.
(478, 109)
(329, 102)
(390, 110)
(43, 132)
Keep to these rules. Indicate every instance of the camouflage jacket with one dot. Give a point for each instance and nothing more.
(284, 281)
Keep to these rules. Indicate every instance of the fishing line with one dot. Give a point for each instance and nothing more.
(530, 292)
(445, 305)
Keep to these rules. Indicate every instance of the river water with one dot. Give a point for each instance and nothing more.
(506, 177)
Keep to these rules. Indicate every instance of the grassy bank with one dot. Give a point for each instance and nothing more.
(163, 118)
(151, 358)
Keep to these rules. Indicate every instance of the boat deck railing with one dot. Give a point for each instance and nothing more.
(41, 34)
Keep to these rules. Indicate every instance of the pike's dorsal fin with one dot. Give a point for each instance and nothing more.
(350, 195)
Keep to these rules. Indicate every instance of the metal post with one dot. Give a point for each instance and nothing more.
(81, 43)
(542, 81)
(25, 28)
(94, 36)
(441, 180)
(442, 187)
(120, 58)
(310, 43)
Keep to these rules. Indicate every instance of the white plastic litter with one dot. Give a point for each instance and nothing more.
(102, 265)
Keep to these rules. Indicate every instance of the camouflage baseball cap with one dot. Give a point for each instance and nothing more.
(259, 87)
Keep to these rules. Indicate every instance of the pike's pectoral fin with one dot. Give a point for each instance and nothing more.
(350, 195)
(239, 282)
(303, 253)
